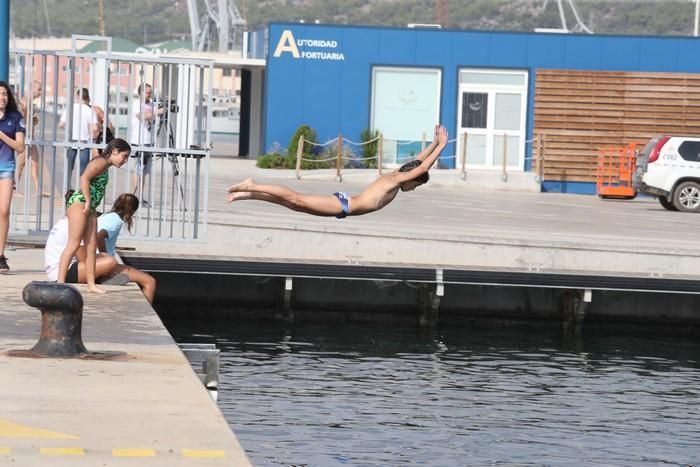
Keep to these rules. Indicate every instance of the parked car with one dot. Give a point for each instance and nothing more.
(668, 167)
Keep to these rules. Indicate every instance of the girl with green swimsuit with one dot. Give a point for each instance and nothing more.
(82, 222)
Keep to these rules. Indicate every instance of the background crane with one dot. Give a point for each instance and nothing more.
(222, 24)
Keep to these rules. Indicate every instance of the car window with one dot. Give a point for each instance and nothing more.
(690, 150)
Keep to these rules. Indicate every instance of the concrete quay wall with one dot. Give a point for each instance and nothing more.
(147, 407)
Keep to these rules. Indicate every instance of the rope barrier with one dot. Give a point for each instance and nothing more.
(319, 160)
(346, 140)
(321, 145)
(349, 158)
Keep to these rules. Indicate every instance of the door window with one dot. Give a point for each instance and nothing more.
(492, 114)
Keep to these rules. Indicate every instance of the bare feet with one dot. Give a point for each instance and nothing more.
(245, 185)
(96, 289)
(238, 195)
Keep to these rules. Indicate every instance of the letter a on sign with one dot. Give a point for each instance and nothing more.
(286, 44)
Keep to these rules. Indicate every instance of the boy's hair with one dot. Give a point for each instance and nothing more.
(408, 166)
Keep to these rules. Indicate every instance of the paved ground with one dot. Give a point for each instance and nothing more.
(448, 222)
(148, 408)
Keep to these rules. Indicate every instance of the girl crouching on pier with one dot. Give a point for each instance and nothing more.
(109, 225)
(82, 222)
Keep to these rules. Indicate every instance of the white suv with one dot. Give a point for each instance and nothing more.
(669, 168)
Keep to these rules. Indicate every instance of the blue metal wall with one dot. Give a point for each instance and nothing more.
(333, 96)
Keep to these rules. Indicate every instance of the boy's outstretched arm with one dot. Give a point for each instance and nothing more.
(441, 138)
(428, 162)
(429, 148)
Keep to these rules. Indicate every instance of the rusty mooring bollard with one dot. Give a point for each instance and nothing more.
(61, 308)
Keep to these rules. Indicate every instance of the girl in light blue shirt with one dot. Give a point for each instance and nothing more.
(109, 226)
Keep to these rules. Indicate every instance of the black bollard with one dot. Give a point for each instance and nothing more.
(61, 308)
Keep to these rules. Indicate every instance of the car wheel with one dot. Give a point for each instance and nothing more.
(667, 204)
(686, 197)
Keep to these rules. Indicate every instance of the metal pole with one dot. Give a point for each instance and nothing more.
(4, 39)
(339, 158)
(697, 14)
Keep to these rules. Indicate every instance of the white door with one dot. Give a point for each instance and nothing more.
(491, 112)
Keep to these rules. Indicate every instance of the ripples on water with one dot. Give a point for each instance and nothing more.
(352, 395)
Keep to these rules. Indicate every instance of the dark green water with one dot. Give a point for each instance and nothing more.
(375, 396)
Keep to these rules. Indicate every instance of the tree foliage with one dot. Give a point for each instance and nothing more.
(141, 21)
(145, 21)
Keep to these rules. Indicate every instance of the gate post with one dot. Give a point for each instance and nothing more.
(4, 39)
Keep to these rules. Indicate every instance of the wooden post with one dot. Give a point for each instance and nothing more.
(300, 152)
(540, 156)
(538, 159)
(380, 154)
(339, 159)
(504, 176)
(464, 156)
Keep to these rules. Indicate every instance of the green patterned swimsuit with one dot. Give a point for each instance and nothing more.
(98, 185)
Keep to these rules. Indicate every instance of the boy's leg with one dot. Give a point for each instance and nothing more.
(317, 205)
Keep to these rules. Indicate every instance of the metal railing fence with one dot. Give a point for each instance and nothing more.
(169, 166)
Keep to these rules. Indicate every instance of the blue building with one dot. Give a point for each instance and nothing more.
(503, 89)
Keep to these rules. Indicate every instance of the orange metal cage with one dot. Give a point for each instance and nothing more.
(614, 172)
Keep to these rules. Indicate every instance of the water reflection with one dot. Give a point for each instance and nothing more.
(357, 395)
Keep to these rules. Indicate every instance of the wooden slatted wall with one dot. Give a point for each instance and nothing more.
(579, 112)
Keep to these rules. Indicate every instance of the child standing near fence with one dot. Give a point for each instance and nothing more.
(82, 222)
(12, 129)
(374, 197)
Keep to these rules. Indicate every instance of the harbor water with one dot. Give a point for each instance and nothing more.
(338, 394)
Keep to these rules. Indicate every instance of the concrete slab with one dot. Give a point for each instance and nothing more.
(147, 408)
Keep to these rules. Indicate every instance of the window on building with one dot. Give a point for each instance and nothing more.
(405, 108)
(491, 117)
(474, 109)
(228, 72)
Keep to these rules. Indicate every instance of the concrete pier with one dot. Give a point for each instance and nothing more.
(145, 408)
(151, 408)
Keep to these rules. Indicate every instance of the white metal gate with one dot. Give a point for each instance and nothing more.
(176, 147)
